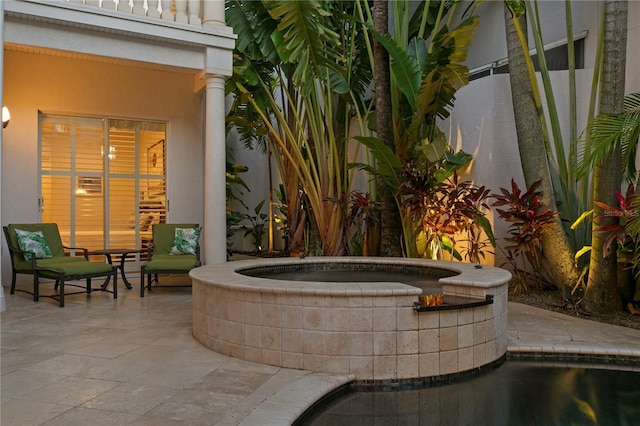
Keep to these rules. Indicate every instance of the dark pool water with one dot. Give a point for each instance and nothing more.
(516, 393)
(343, 276)
(423, 277)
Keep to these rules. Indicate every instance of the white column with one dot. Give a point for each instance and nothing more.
(215, 216)
(213, 13)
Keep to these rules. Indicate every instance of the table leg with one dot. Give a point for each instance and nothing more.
(123, 258)
(108, 280)
(124, 277)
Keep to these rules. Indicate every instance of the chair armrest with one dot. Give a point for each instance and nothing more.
(85, 251)
(22, 252)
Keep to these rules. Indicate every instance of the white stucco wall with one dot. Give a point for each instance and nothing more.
(482, 122)
(489, 43)
(257, 178)
(77, 86)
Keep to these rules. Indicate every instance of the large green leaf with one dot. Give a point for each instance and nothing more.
(254, 26)
(388, 162)
(418, 49)
(444, 75)
(608, 132)
(304, 39)
(405, 69)
(486, 227)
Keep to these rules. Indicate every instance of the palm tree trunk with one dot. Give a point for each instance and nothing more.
(602, 293)
(533, 157)
(390, 224)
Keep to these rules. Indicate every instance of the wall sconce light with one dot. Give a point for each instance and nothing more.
(6, 116)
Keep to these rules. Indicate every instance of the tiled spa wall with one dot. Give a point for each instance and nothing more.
(372, 336)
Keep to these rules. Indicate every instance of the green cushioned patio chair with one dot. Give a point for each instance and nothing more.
(169, 254)
(44, 256)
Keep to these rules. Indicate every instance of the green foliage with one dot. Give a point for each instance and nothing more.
(257, 221)
(571, 191)
(300, 76)
(607, 132)
(633, 230)
(234, 183)
(233, 223)
(426, 61)
(426, 70)
(234, 186)
(280, 215)
(305, 83)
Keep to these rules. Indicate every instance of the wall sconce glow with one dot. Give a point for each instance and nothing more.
(6, 116)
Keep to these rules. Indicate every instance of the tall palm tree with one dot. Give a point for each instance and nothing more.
(602, 293)
(390, 222)
(533, 155)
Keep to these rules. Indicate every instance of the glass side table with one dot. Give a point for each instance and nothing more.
(123, 252)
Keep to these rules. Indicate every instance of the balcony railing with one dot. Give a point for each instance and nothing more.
(191, 12)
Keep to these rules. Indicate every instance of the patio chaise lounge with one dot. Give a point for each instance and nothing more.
(36, 249)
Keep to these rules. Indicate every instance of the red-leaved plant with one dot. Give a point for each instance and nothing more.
(618, 231)
(527, 218)
(448, 209)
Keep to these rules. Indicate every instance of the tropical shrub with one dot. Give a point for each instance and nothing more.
(622, 237)
(303, 69)
(528, 219)
(633, 230)
(299, 68)
(442, 210)
(234, 186)
(362, 223)
(258, 221)
(427, 51)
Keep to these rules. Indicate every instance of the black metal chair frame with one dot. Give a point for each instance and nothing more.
(59, 276)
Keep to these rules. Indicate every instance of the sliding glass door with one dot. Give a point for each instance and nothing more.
(102, 180)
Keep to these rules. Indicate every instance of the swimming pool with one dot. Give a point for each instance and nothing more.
(515, 393)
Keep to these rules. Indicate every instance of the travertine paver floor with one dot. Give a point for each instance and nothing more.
(133, 361)
(538, 330)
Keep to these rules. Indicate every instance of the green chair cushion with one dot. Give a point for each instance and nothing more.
(164, 234)
(79, 269)
(73, 266)
(55, 262)
(167, 262)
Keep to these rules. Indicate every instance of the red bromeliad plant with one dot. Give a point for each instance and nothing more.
(361, 223)
(528, 219)
(618, 232)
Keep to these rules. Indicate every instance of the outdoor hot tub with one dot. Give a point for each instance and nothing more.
(378, 328)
